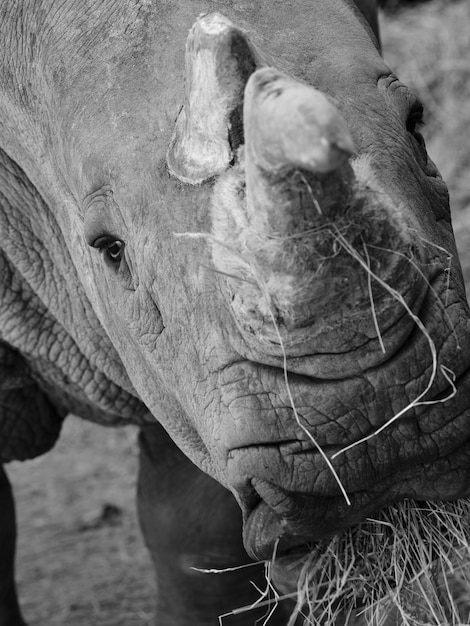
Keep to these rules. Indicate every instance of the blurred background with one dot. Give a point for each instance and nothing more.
(81, 560)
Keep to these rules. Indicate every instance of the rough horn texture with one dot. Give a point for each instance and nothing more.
(290, 125)
(219, 60)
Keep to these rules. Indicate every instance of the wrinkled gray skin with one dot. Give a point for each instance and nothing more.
(89, 95)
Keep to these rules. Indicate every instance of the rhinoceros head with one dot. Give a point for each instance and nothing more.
(257, 228)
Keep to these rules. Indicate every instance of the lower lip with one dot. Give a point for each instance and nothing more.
(266, 535)
(262, 531)
(303, 521)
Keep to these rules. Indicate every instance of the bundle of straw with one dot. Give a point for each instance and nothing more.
(408, 567)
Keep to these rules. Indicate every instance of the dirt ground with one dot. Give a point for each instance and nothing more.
(81, 560)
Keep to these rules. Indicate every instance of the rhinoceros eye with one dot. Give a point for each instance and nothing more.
(415, 118)
(413, 125)
(112, 248)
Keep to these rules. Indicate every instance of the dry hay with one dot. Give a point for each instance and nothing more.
(410, 566)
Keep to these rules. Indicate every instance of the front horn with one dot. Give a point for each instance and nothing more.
(297, 150)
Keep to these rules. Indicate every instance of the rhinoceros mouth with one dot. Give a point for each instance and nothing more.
(306, 521)
(290, 499)
(265, 533)
(281, 524)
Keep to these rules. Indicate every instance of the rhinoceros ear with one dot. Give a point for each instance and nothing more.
(29, 422)
(219, 62)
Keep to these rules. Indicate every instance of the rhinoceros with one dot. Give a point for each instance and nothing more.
(219, 222)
